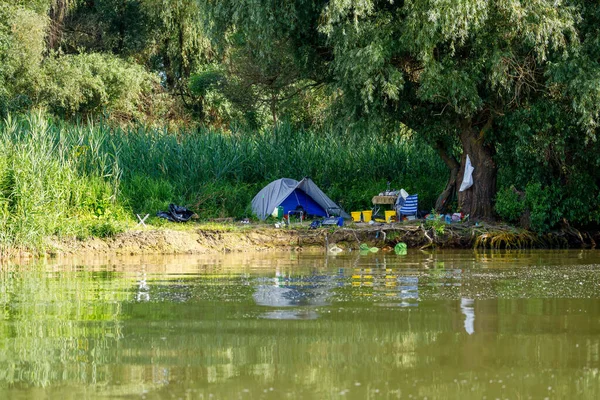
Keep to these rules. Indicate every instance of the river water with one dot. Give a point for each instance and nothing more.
(435, 325)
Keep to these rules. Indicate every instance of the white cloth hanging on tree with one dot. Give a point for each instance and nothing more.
(467, 181)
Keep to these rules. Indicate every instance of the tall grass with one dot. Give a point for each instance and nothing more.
(219, 173)
(60, 178)
(52, 185)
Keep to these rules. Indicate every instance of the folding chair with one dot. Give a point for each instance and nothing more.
(410, 206)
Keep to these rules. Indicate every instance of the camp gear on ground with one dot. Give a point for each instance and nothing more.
(315, 224)
(278, 212)
(384, 199)
(395, 199)
(289, 194)
(339, 221)
(390, 216)
(176, 214)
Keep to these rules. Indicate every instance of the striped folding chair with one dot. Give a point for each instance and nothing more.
(410, 206)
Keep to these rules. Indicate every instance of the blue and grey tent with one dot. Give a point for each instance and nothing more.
(292, 195)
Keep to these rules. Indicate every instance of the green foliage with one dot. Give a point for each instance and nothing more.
(122, 27)
(211, 103)
(542, 204)
(509, 205)
(437, 223)
(551, 159)
(209, 79)
(44, 190)
(277, 62)
(22, 33)
(105, 228)
(87, 84)
(144, 194)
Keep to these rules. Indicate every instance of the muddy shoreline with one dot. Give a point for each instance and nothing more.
(200, 240)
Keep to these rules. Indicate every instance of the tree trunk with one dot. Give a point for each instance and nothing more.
(445, 198)
(56, 14)
(274, 108)
(478, 200)
(168, 66)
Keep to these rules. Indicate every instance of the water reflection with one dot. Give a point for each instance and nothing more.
(394, 285)
(286, 290)
(290, 314)
(143, 288)
(466, 307)
(304, 326)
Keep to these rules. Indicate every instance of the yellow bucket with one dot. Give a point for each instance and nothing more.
(390, 216)
(367, 215)
(355, 216)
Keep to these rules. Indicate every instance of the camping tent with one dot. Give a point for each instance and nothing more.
(289, 193)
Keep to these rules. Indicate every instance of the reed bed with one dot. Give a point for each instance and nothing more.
(54, 182)
(80, 179)
(218, 174)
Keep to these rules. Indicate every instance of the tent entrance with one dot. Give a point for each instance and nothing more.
(299, 198)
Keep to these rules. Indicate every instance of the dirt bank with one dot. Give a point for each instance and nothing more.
(199, 240)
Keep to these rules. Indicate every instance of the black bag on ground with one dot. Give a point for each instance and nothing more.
(176, 214)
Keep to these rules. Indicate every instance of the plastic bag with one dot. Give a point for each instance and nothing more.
(467, 181)
(401, 249)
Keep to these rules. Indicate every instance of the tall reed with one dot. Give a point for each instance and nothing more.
(219, 173)
(53, 183)
(59, 178)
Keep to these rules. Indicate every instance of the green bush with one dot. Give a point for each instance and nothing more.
(539, 204)
(543, 207)
(509, 205)
(105, 228)
(146, 195)
(85, 84)
(22, 35)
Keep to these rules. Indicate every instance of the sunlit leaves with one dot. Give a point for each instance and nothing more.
(462, 46)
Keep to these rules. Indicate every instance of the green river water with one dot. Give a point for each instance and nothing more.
(435, 325)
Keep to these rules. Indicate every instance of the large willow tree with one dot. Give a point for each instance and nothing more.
(449, 69)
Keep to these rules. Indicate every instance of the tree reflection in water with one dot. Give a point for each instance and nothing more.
(306, 326)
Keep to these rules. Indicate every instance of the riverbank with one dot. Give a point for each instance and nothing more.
(202, 238)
